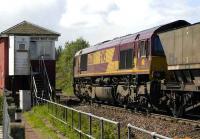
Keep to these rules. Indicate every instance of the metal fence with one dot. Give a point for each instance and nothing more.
(6, 120)
(66, 115)
(153, 135)
(73, 117)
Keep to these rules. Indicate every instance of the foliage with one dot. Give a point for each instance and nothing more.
(58, 51)
(64, 64)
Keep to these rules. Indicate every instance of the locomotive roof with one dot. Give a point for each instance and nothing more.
(145, 34)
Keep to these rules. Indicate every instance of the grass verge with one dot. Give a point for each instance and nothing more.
(35, 119)
(39, 119)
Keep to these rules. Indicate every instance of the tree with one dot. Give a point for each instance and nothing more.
(58, 51)
(64, 65)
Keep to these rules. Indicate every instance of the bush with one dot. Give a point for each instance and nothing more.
(64, 64)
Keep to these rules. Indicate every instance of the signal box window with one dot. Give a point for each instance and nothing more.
(126, 59)
(22, 46)
(83, 64)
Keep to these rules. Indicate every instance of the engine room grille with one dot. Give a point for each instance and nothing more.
(126, 59)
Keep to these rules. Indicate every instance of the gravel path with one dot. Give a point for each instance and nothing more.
(163, 127)
(30, 133)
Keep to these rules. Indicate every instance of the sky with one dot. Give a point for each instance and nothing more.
(97, 20)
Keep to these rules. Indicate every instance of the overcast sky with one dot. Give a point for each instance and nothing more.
(97, 20)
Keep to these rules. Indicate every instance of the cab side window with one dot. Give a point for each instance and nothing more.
(83, 64)
(148, 46)
(142, 49)
(144, 46)
(126, 59)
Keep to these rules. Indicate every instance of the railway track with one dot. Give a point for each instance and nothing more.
(160, 123)
(195, 123)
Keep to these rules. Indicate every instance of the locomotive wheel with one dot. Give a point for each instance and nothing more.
(122, 94)
(121, 99)
(143, 102)
(76, 93)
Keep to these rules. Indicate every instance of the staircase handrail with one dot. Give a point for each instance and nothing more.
(35, 89)
(46, 74)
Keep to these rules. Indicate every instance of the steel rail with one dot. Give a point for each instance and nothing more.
(158, 116)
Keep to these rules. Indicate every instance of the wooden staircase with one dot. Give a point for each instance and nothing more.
(41, 86)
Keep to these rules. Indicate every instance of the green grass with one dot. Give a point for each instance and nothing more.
(108, 128)
(35, 119)
(37, 115)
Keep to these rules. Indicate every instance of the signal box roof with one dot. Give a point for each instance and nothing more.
(29, 29)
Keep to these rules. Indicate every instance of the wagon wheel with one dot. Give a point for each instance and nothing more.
(177, 107)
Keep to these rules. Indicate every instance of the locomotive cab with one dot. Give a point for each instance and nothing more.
(158, 60)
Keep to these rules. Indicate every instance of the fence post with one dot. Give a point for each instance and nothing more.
(36, 101)
(90, 124)
(32, 99)
(102, 130)
(51, 108)
(43, 99)
(79, 122)
(118, 130)
(55, 110)
(72, 119)
(66, 114)
(129, 132)
(48, 106)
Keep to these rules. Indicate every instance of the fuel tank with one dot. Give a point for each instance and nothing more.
(102, 93)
